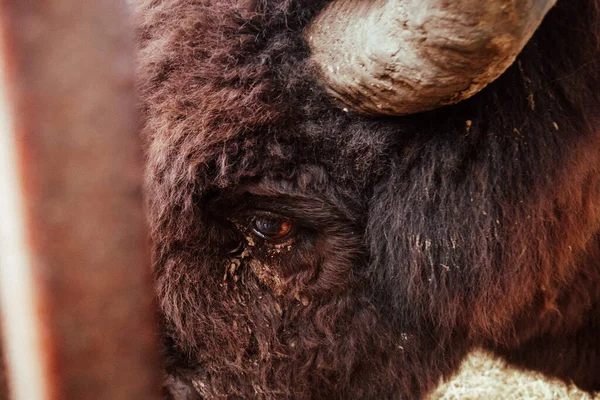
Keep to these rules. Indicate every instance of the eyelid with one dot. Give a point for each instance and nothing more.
(246, 215)
(265, 214)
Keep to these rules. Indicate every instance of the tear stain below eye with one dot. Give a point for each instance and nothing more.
(233, 265)
(268, 276)
(265, 273)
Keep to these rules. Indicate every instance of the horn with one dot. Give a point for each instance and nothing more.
(398, 57)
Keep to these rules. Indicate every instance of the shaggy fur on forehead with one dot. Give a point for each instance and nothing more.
(472, 225)
(233, 79)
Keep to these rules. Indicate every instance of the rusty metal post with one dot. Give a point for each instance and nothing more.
(77, 315)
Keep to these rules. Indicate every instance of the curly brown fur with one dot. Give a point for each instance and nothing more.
(419, 237)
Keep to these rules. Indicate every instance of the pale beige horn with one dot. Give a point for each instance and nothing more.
(399, 57)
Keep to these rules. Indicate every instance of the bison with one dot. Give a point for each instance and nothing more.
(347, 197)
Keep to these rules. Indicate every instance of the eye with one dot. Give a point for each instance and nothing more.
(272, 228)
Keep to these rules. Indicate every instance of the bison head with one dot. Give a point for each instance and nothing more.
(313, 237)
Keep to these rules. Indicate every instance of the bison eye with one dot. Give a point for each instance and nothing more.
(272, 228)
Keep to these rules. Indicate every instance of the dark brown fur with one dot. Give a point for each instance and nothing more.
(421, 237)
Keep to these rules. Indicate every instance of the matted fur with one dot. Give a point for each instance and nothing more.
(420, 237)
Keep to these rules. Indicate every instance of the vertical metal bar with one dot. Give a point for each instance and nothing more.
(77, 315)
